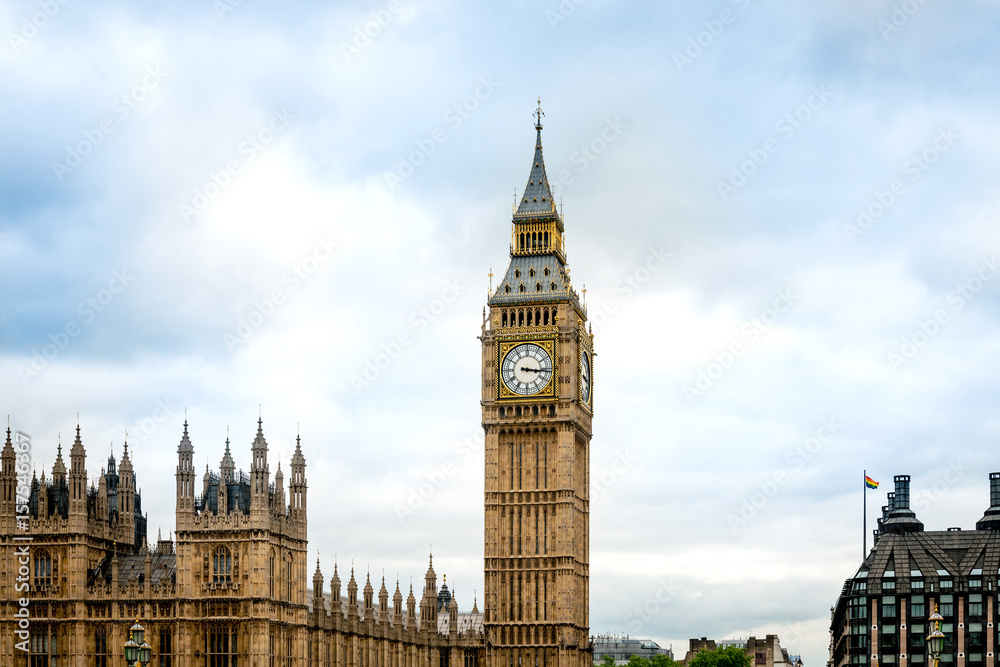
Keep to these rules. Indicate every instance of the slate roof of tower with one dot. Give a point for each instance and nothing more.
(509, 289)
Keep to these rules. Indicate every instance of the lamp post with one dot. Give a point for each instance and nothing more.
(137, 651)
(935, 640)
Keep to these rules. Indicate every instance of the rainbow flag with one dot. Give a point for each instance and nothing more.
(870, 483)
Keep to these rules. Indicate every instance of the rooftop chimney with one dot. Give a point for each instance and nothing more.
(901, 518)
(991, 520)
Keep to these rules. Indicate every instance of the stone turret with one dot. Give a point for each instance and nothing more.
(8, 501)
(383, 603)
(411, 609)
(318, 605)
(397, 605)
(297, 486)
(185, 476)
(369, 593)
(260, 475)
(352, 597)
(78, 478)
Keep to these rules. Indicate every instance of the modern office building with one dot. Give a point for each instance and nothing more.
(881, 615)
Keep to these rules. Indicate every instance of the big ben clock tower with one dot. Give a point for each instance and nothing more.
(537, 411)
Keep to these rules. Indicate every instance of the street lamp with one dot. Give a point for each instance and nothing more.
(137, 651)
(935, 640)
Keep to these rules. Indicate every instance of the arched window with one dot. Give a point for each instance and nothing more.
(222, 565)
(538, 287)
(288, 581)
(44, 646)
(504, 320)
(553, 286)
(517, 273)
(520, 318)
(521, 288)
(546, 240)
(220, 646)
(531, 272)
(43, 568)
(506, 289)
(100, 647)
(270, 575)
(545, 317)
(538, 317)
(165, 652)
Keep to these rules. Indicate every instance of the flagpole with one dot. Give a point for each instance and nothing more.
(864, 519)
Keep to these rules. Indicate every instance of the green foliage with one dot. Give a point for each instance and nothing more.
(724, 656)
(638, 661)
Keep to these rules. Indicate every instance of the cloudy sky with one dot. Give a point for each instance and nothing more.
(785, 215)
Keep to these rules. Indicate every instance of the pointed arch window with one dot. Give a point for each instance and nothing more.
(521, 288)
(220, 646)
(166, 648)
(43, 568)
(222, 565)
(270, 575)
(506, 289)
(538, 287)
(100, 647)
(44, 647)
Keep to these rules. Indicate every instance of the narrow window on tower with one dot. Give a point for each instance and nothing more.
(512, 539)
(536, 604)
(545, 596)
(529, 315)
(546, 462)
(520, 531)
(545, 544)
(536, 546)
(520, 465)
(512, 458)
(510, 610)
(545, 317)
(536, 464)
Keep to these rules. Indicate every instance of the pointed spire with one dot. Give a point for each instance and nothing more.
(185, 444)
(537, 193)
(475, 607)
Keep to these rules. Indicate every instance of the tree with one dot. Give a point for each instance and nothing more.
(608, 661)
(662, 660)
(724, 656)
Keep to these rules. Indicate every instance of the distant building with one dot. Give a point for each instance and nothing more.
(766, 652)
(622, 648)
(881, 615)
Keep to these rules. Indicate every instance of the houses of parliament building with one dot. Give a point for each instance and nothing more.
(234, 586)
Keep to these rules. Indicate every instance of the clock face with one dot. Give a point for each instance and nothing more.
(585, 377)
(526, 369)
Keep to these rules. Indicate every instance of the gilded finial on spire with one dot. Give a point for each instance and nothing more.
(538, 115)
